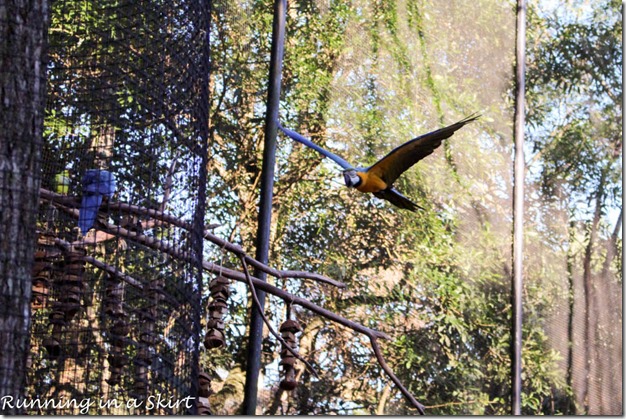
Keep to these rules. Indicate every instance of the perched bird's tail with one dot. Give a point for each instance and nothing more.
(88, 211)
(97, 184)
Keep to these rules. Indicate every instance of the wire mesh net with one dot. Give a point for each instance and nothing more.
(116, 290)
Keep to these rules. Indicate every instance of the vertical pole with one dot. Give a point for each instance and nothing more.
(518, 208)
(265, 204)
(201, 118)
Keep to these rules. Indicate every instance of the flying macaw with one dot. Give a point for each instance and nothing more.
(96, 184)
(378, 178)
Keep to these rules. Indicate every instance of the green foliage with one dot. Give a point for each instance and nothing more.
(575, 113)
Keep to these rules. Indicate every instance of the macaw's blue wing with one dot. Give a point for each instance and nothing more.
(299, 138)
(99, 181)
(96, 185)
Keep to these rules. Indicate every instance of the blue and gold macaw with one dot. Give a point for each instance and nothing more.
(378, 178)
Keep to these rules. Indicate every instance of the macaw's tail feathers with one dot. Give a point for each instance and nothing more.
(397, 199)
(299, 138)
(88, 211)
(469, 118)
(96, 184)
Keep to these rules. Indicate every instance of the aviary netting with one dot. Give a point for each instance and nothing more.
(119, 305)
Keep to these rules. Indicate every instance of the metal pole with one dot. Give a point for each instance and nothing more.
(201, 111)
(518, 208)
(265, 204)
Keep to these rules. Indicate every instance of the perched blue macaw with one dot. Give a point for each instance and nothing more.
(96, 184)
(378, 178)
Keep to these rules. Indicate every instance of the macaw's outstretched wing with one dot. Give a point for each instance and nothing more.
(401, 158)
(397, 199)
(299, 138)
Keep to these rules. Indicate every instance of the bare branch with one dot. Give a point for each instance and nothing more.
(267, 322)
(97, 237)
(253, 282)
(167, 188)
(135, 209)
(239, 276)
(464, 403)
(396, 380)
(102, 265)
(237, 250)
(228, 273)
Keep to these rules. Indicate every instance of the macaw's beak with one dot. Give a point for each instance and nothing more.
(351, 178)
(346, 178)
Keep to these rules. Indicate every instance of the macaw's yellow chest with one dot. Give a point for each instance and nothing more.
(370, 182)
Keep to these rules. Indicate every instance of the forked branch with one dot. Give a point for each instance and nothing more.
(245, 277)
(257, 304)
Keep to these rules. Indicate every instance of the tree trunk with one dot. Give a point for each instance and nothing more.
(23, 28)
(612, 246)
(571, 409)
(588, 289)
(382, 401)
(608, 331)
